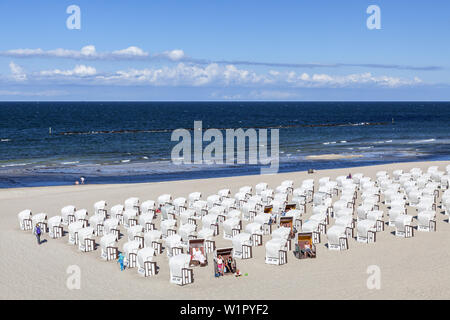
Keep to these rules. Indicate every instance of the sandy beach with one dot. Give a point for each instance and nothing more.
(414, 268)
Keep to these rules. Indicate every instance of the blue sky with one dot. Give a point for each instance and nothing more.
(224, 50)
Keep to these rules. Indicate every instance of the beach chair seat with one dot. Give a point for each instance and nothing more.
(25, 222)
(224, 193)
(211, 221)
(86, 241)
(260, 187)
(108, 246)
(148, 207)
(153, 239)
(41, 220)
(146, 266)
(174, 245)
(426, 221)
(73, 229)
(228, 204)
(136, 233)
(242, 246)
(55, 229)
(231, 227)
(403, 227)
(132, 204)
(117, 212)
(130, 218)
(97, 222)
(100, 208)
(187, 231)
(337, 238)
(68, 214)
(366, 231)
(212, 201)
(130, 250)
(276, 251)
(189, 216)
(180, 273)
(164, 199)
(110, 226)
(194, 196)
(267, 195)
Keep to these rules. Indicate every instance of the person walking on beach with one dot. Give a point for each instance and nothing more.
(37, 232)
(120, 261)
(82, 180)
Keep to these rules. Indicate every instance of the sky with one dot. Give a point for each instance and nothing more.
(224, 50)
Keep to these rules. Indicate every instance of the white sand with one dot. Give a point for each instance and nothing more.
(415, 268)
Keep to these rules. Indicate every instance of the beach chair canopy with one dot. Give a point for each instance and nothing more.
(85, 233)
(178, 262)
(281, 232)
(274, 246)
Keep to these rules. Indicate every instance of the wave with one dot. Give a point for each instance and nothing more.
(422, 141)
(5, 140)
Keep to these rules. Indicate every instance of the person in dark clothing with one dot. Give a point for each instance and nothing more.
(37, 232)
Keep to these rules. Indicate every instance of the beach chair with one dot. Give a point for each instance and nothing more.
(256, 231)
(146, 267)
(136, 232)
(276, 251)
(189, 216)
(117, 212)
(231, 227)
(109, 248)
(247, 190)
(130, 250)
(296, 217)
(194, 196)
(260, 187)
(110, 226)
(227, 255)
(213, 200)
(249, 210)
(366, 231)
(337, 238)
(153, 239)
(187, 232)
(164, 199)
(81, 215)
(130, 218)
(180, 204)
(173, 245)
(132, 204)
(267, 196)
(86, 241)
(211, 221)
(241, 199)
(377, 216)
(25, 223)
(100, 208)
(146, 221)
(312, 226)
(224, 193)
(197, 250)
(68, 214)
(200, 207)
(180, 273)
(242, 246)
(148, 207)
(55, 229)
(168, 227)
(39, 219)
(426, 221)
(73, 229)
(97, 222)
(305, 247)
(229, 204)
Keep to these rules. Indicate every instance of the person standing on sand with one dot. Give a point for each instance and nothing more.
(37, 232)
(120, 261)
(82, 180)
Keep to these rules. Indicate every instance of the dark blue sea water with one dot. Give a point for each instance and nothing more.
(130, 141)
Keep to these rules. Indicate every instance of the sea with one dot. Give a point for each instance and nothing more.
(56, 143)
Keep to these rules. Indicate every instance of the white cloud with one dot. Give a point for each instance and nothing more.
(213, 74)
(78, 71)
(17, 72)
